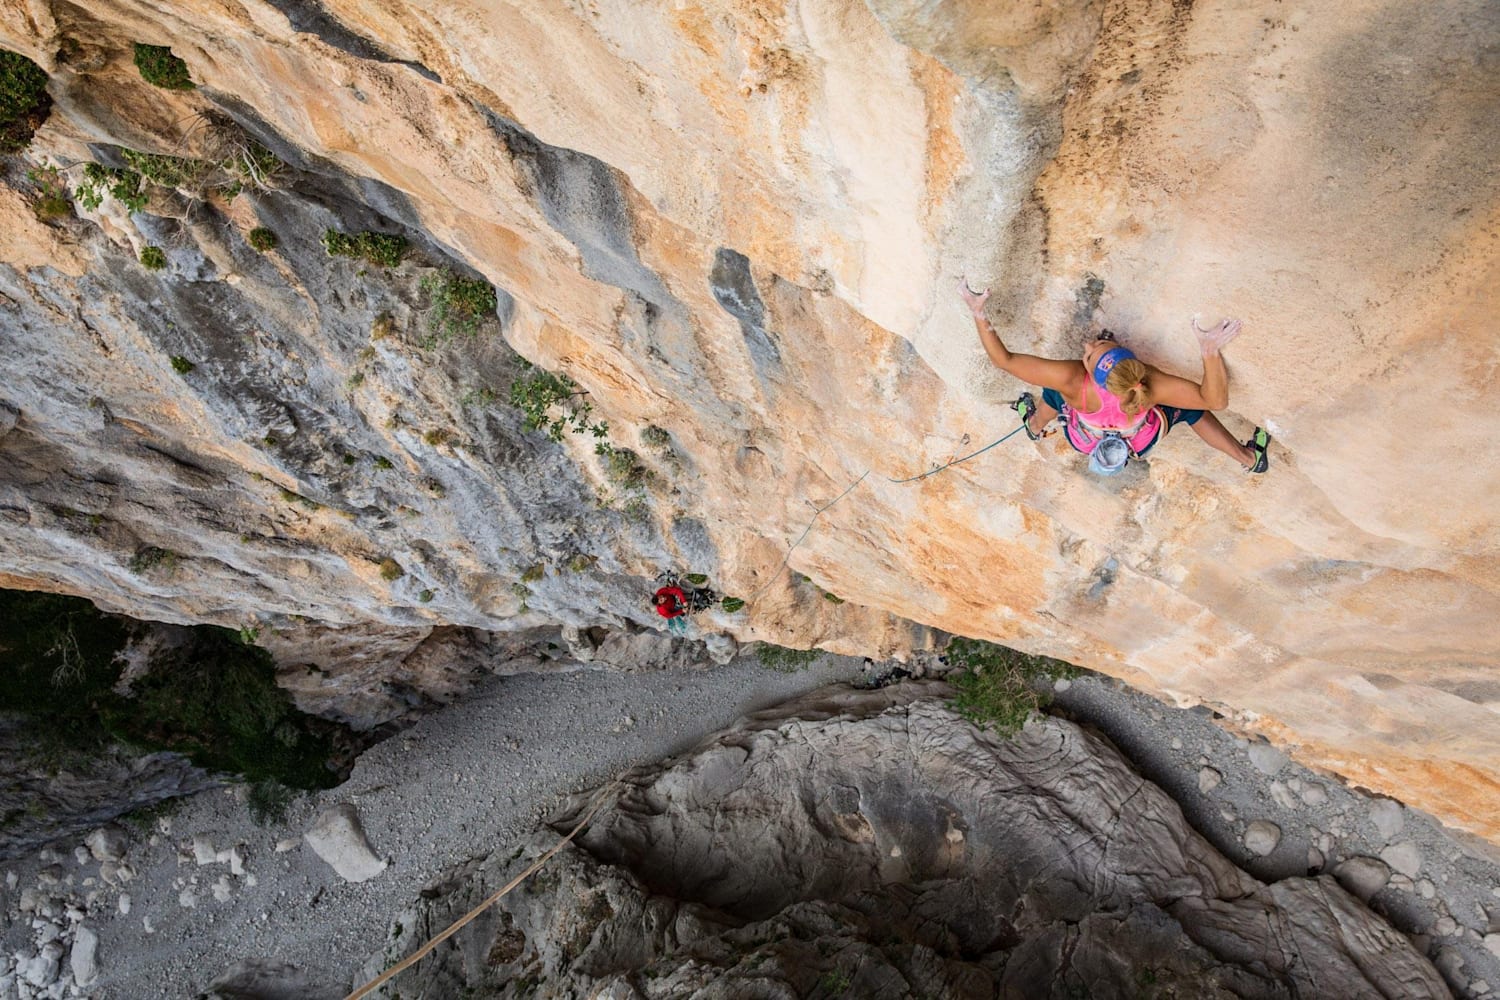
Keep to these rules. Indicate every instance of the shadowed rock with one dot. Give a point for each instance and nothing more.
(874, 844)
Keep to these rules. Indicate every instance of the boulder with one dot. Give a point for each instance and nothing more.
(83, 958)
(108, 843)
(338, 837)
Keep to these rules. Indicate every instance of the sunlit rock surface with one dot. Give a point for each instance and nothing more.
(741, 223)
(865, 844)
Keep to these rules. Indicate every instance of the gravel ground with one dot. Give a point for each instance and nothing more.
(477, 776)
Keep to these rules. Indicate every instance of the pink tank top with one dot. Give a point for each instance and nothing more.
(1085, 429)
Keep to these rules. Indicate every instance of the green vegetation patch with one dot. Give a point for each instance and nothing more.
(160, 68)
(167, 171)
(100, 182)
(212, 698)
(459, 304)
(24, 103)
(379, 249)
(52, 200)
(154, 258)
(999, 688)
(555, 404)
(263, 239)
(783, 660)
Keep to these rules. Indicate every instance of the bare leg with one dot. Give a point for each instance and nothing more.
(1217, 436)
(1043, 416)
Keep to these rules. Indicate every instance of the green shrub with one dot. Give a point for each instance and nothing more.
(167, 171)
(553, 403)
(534, 573)
(459, 304)
(24, 103)
(696, 579)
(52, 201)
(268, 801)
(211, 698)
(180, 364)
(783, 660)
(733, 604)
(381, 462)
(624, 468)
(390, 570)
(154, 258)
(151, 558)
(160, 68)
(379, 249)
(99, 181)
(999, 688)
(263, 239)
(425, 597)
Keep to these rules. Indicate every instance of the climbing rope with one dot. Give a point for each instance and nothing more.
(981, 451)
(489, 901)
(910, 479)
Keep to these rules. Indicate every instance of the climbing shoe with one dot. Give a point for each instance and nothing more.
(1026, 406)
(1258, 443)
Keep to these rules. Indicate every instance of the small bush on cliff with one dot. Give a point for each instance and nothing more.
(167, 171)
(555, 404)
(390, 570)
(24, 103)
(160, 68)
(52, 201)
(154, 259)
(263, 239)
(100, 181)
(459, 304)
(999, 688)
(379, 249)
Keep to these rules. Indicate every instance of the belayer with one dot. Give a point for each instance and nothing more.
(674, 601)
(1113, 405)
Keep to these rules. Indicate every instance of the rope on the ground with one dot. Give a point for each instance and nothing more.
(489, 901)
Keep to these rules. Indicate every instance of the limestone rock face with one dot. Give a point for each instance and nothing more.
(737, 226)
(875, 842)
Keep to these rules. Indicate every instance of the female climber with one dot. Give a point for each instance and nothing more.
(1113, 405)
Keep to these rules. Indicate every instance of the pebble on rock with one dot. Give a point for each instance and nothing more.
(1388, 817)
(1314, 794)
(1362, 876)
(1266, 758)
(1261, 837)
(1404, 858)
(1208, 780)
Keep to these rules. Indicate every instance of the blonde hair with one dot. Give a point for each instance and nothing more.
(1126, 382)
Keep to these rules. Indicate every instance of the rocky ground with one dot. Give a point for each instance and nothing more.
(166, 909)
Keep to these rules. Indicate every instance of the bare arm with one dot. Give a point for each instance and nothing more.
(1213, 394)
(1060, 375)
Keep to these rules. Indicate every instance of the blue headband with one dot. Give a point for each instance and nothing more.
(1107, 362)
